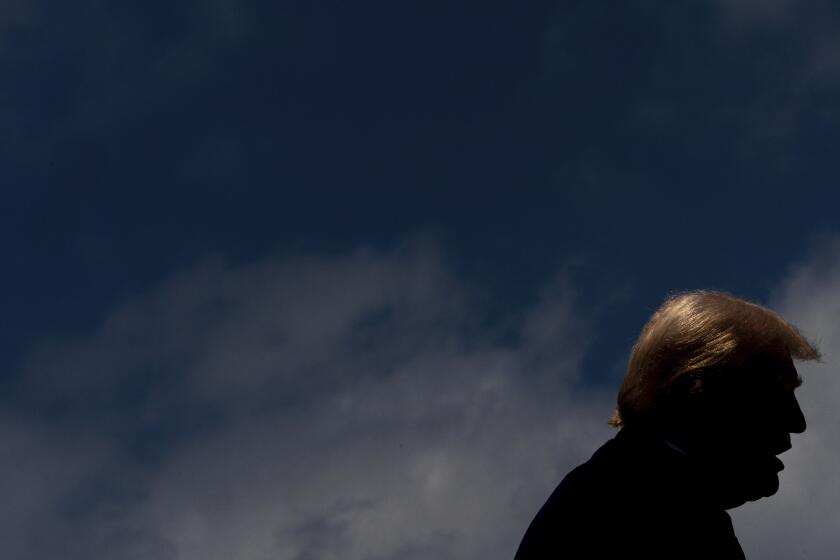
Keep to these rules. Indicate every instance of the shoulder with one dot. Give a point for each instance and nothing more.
(628, 498)
(581, 506)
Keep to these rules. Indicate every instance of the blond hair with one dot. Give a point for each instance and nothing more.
(697, 334)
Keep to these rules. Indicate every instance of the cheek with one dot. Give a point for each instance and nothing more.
(741, 436)
(735, 423)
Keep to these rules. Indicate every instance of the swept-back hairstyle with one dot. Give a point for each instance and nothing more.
(693, 336)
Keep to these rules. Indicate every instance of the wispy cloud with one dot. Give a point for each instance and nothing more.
(345, 406)
(350, 405)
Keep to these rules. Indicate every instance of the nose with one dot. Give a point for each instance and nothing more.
(796, 421)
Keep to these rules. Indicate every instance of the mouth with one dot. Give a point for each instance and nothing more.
(777, 463)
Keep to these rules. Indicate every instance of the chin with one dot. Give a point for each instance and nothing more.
(772, 488)
(769, 487)
(750, 489)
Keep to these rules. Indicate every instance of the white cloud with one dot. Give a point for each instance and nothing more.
(803, 519)
(314, 406)
(347, 406)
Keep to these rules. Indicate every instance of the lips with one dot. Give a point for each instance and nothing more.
(782, 449)
(778, 451)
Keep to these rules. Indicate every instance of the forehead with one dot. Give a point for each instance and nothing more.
(790, 380)
(786, 374)
(775, 373)
(775, 382)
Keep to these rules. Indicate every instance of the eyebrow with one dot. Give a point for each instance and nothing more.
(789, 382)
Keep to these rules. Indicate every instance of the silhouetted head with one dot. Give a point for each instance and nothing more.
(714, 374)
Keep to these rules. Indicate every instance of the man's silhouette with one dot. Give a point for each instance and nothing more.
(706, 405)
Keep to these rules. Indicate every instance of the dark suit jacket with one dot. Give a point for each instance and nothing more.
(635, 498)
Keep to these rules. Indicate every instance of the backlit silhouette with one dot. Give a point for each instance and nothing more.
(706, 405)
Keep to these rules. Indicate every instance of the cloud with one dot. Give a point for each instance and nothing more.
(349, 405)
(801, 521)
(352, 405)
(44, 470)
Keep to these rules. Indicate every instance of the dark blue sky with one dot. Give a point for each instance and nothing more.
(669, 145)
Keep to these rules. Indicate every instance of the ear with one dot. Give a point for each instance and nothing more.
(703, 401)
(695, 386)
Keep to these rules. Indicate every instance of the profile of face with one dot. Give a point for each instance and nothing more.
(738, 430)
